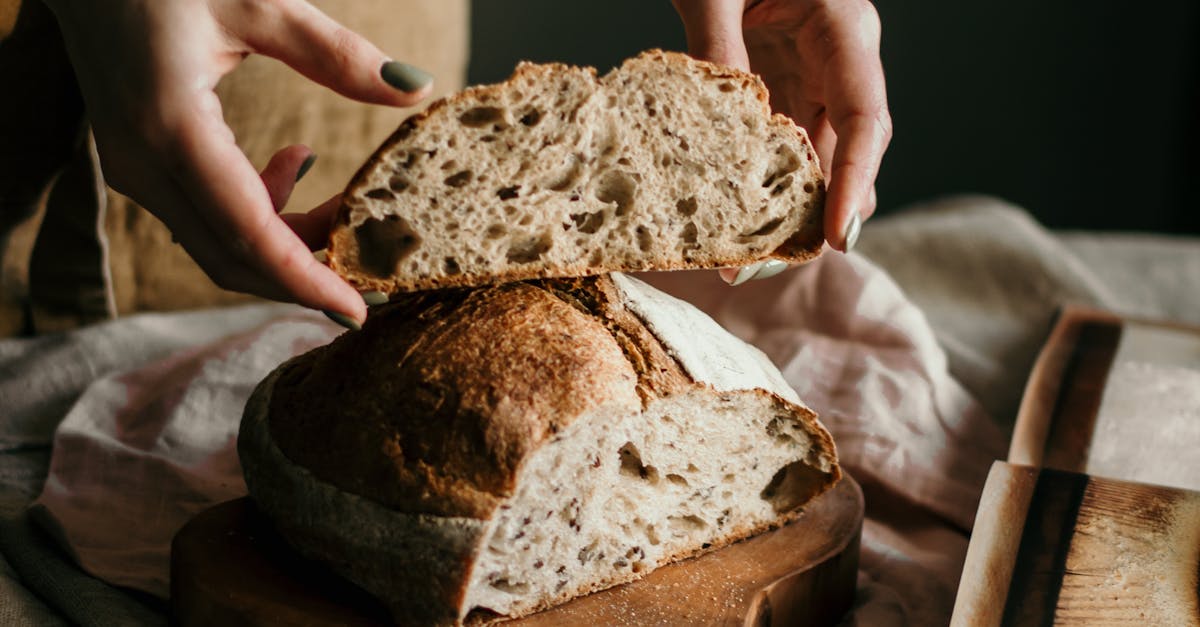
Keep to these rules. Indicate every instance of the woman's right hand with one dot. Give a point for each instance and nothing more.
(147, 70)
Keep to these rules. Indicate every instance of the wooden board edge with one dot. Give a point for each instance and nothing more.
(1044, 389)
(992, 553)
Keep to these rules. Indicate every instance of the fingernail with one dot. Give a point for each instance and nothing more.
(768, 269)
(374, 297)
(746, 273)
(321, 255)
(304, 167)
(405, 77)
(853, 227)
(342, 319)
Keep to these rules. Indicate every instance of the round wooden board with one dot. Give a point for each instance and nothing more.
(229, 568)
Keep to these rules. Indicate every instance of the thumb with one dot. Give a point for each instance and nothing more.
(714, 31)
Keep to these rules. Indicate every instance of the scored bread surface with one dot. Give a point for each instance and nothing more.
(664, 163)
(499, 450)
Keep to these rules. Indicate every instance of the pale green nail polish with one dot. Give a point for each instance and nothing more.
(768, 269)
(405, 77)
(321, 255)
(304, 167)
(374, 297)
(343, 319)
(853, 228)
(746, 273)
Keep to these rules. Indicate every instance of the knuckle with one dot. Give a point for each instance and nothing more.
(260, 12)
(346, 47)
(883, 119)
(866, 19)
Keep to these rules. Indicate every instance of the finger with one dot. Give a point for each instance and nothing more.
(856, 105)
(166, 200)
(283, 171)
(234, 202)
(824, 140)
(714, 31)
(315, 45)
(313, 227)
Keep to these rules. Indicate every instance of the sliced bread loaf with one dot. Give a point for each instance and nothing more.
(475, 453)
(664, 163)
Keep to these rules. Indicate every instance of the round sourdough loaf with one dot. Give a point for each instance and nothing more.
(473, 453)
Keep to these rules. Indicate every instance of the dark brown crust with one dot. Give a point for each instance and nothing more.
(442, 395)
(343, 252)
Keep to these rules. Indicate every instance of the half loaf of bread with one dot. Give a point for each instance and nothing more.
(474, 453)
(664, 163)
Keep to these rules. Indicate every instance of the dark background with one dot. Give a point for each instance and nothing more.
(1085, 113)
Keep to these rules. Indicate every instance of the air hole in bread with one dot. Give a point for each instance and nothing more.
(398, 184)
(782, 185)
(766, 229)
(677, 479)
(690, 234)
(508, 193)
(450, 164)
(644, 241)
(775, 428)
(380, 193)
(566, 177)
(588, 222)
(479, 117)
(687, 206)
(617, 187)
(809, 188)
(623, 161)
(631, 464)
(791, 486)
(525, 220)
(783, 162)
(532, 117)
(495, 231)
(383, 244)
(459, 179)
(529, 249)
(685, 525)
(726, 87)
(450, 265)
(510, 587)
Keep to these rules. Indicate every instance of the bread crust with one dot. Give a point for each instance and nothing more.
(427, 466)
(345, 253)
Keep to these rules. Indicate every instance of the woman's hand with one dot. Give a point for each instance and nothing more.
(820, 60)
(147, 69)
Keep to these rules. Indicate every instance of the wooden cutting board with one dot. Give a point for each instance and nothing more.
(229, 568)
(1095, 520)
(1061, 548)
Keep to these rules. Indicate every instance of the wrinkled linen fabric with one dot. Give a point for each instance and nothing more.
(916, 371)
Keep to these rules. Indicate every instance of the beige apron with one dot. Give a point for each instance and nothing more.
(77, 252)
